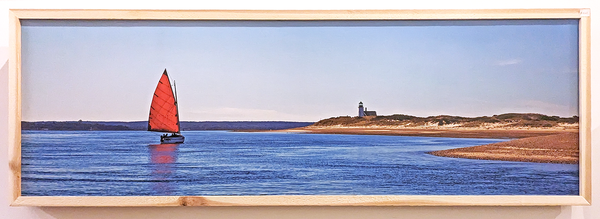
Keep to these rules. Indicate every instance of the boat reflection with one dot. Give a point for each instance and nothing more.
(163, 157)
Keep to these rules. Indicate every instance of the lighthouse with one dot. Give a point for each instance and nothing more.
(361, 109)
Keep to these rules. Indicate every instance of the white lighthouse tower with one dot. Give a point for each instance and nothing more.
(361, 110)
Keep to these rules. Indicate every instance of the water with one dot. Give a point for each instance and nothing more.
(131, 163)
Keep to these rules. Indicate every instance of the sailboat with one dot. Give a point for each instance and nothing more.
(164, 112)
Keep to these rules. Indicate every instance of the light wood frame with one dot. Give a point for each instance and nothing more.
(14, 108)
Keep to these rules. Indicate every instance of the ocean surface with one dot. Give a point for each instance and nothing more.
(133, 163)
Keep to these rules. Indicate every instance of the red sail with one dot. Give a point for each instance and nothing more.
(163, 111)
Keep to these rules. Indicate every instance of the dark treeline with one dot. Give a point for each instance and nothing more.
(143, 125)
(71, 126)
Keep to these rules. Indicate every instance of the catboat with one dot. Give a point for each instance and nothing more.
(164, 112)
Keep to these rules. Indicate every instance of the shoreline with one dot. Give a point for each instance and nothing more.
(528, 145)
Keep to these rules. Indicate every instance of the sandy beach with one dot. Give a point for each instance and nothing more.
(530, 145)
(559, 148)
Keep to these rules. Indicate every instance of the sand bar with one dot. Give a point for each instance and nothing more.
(560, 148)
(530, 145)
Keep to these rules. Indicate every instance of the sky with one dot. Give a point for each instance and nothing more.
(298, 70)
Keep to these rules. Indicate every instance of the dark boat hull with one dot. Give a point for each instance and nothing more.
(172, 139)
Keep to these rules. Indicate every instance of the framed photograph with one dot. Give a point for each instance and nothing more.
(300, 108)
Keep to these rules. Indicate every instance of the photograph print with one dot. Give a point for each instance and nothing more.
(265, 108)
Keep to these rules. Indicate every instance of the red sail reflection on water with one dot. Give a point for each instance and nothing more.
(163, 157)
(163, 153)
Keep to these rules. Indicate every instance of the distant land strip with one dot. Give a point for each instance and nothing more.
(143, 125)
(510, 125)
(498, 122)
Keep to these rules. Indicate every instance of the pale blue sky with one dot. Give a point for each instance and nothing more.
(298, 71)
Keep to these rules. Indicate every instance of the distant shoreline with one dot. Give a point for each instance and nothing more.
(143, 125)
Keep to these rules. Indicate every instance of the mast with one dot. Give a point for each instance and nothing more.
(177, 107)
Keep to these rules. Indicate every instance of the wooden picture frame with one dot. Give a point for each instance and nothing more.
(18, 15)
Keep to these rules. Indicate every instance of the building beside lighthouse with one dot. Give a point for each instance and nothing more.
(362, 111)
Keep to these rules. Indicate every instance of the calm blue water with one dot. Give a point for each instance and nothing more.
(131, 163)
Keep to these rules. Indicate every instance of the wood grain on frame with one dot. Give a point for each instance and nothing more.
(297, 14)
(14, 108)
(585, 128)
(301, 200)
